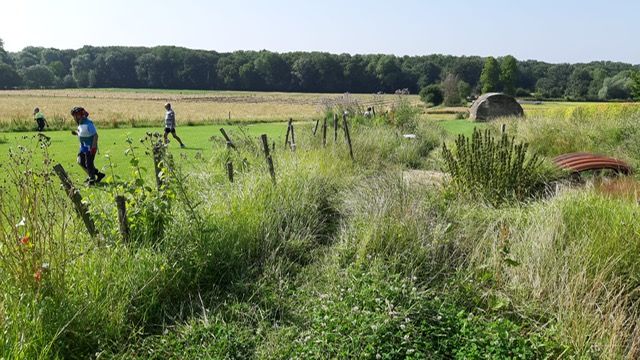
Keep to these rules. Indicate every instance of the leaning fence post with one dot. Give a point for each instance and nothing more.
(293, 136)
(228, 139)
(335, 128)
(315, 128)
(286, 138)
(265, 146)
(230, 171)
(346, 133)
(121, 204)
(81, 208)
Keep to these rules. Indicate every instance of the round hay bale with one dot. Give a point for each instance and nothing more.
(494, 105)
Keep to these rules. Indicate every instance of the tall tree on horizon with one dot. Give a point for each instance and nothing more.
(509, 74)
(490, 76)
(635, 85)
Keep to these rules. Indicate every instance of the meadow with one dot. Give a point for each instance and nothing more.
(131, 107)
(336, 258)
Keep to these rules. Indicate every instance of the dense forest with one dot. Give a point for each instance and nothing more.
(170, 67)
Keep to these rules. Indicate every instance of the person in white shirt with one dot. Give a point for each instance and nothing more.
(170, 125)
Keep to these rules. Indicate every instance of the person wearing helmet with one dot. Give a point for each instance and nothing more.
(170, 125)
(40, 119)
(88, 136)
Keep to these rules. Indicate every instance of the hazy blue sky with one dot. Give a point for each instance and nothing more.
(555, 31)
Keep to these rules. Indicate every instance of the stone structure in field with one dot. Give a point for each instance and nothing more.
(494, 105)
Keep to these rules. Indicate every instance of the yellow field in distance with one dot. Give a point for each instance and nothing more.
(130, 106)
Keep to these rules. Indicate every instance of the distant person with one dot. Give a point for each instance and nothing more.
(88, 136)
(40, 119)
(170, 125)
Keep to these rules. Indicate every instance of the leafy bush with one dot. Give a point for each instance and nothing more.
(499, 171)
(432, 95)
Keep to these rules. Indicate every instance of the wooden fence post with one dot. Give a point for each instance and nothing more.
(265, 146)
(81, 208)
(228, 139)
(293, 136)
(121, 204)
(324, 132)
(286, 139)
(346, 133)
(230, 171)
(315, 128)
(373, 111)
(503, 128)
(335, 128)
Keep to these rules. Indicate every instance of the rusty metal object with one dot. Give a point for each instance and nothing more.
(579, 162)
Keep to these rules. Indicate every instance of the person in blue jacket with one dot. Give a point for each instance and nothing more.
(88, 136)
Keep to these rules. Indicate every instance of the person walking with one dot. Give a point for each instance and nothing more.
(88, 136)
(40, 119)
(170, 125)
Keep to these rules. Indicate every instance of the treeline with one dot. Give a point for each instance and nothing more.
(169, 67)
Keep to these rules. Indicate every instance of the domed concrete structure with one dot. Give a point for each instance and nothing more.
(494, 105)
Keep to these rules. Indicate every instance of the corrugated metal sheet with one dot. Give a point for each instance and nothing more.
(579, 162)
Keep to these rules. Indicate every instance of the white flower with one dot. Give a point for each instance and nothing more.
(22, 222)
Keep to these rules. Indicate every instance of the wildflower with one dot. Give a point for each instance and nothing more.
(25, 240)
(22, 222)
(378, 356)
(37, 276)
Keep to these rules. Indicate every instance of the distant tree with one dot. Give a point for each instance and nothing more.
(545, 88)
(464, 89)
(579, 81)
(451, 91)
(81, 67)
(468, 69)
(9, 77)
(389, 73)
(24, 59)
(509, 74)
(57, 67)
(68, 82)
(306, 73)
(273, 70)
(4, 57)
(617, 87)
(48, 56)
(597, 75)
(38, 76)
(432, 95)
(490, 76)
(635, 85)
(357, 75)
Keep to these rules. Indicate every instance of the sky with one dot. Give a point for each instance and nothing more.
(553, 31)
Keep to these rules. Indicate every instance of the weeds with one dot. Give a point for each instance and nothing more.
(500, 171)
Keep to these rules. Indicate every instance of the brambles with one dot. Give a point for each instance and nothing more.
(499, 171)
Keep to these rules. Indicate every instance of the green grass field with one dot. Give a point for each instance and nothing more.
(113, 143)
(387, 255)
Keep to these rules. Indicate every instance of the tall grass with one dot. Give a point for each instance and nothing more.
(336, 259)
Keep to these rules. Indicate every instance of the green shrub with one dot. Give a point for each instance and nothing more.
(432, 95)
(498, 171)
